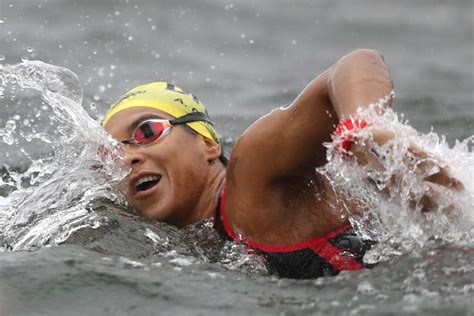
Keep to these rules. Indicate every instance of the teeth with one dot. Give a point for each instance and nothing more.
(146, 179)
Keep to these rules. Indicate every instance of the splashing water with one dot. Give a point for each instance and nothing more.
(54, 199)
(59, 198)
(392, 196)
(49, 201)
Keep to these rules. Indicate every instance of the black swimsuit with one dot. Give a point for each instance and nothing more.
(340, 249)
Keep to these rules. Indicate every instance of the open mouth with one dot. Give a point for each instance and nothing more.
(146, 183)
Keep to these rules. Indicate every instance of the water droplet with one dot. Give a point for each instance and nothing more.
(10, 126)
(29, 49)
(6, 133)
(92, 106)
(2, 20)
(117, 13)
(2, 57)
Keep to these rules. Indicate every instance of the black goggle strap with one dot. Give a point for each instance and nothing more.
(195, 117)
(191, 117)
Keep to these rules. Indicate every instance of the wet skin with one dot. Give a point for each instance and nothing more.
(274, 196)
(184, 168)
(268, 197)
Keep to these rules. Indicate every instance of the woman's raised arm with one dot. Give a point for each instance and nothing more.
(288, 142)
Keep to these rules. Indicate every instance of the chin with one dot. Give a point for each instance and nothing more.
(151, 214)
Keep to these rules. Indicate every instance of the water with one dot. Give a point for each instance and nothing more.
(69, 246)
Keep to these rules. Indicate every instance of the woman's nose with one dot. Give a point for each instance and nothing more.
(133, 157)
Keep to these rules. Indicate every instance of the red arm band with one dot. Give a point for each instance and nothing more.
(345, 130)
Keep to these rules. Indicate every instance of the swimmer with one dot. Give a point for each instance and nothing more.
(261, 196)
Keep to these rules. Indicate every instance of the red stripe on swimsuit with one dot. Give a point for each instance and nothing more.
(327, 254)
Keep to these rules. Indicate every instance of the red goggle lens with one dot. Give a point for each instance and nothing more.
(149, 131)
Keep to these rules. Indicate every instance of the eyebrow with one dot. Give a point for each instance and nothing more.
(142, 118)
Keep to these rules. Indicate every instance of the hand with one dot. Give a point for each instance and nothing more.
(433, 169)
(437, 177)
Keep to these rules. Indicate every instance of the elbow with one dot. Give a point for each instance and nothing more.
(357, 62)
(364, 55)
(366, 51)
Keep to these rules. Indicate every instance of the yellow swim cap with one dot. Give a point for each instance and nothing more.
(168, 98)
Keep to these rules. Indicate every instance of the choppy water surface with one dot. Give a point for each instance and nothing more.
(70, 246)
(67, 200)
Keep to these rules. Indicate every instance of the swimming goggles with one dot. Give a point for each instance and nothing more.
(150, 131)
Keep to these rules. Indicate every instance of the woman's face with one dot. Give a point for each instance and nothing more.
(167, 177)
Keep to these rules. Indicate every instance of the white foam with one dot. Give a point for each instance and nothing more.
(390, 218)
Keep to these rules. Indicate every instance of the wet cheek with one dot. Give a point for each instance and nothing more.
(123, 186)
(192, 184)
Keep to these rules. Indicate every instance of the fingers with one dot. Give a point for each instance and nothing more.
(445, 179)
(434, 169)
(430, 200)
